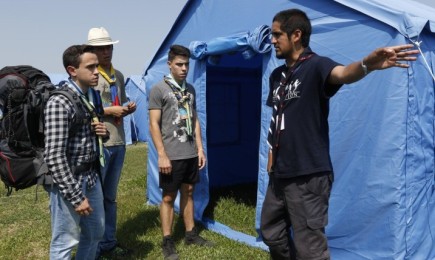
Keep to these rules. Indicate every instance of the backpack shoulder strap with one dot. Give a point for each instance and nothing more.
(98, 103)
(81, 117)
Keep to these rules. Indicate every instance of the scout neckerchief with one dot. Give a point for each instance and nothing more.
(113, 88)
(91, 106)
(184, 105)
(276, 122)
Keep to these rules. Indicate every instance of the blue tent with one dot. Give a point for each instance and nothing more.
(135, 90)
(55, 78)
(381, 128)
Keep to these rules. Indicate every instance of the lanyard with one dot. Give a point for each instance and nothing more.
(94, 116)
(282, 93)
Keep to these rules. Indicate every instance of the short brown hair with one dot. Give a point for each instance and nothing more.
(293, 19)
(178, 50)
(72, 55)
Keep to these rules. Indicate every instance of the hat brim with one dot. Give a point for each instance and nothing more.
(102, 43)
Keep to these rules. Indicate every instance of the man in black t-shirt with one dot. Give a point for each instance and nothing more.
(299, 166)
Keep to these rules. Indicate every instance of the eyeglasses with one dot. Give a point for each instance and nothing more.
(275, 35)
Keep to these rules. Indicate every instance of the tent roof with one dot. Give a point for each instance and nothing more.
(136, 80)
(409, 23)
(409, 17)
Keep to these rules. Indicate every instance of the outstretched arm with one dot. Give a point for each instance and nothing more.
(379, 59)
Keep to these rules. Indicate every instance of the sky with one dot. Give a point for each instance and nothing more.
(36, 32)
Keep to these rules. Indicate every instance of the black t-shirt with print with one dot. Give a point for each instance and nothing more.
(303, 146)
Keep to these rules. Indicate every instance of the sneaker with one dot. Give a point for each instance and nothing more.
(192, 238)
(117, 252)
(168, 248)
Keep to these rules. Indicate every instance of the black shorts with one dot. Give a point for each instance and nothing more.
(183, 171)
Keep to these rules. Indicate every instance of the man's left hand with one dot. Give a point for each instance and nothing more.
(201, 159)
(131, 107)
(387, 57)
(100, 128)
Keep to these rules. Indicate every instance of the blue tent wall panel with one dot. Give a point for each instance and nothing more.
(128, 129)
(381, 128)
(138, 121)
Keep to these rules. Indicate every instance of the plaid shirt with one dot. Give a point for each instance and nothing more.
(62, 152)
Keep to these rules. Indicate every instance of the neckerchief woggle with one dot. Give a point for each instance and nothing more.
(113, 88)
(92, 110)
(183, 98)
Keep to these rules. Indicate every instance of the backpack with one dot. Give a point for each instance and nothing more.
(24, 92)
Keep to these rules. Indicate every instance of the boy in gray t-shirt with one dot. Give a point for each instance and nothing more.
(176, 139)
(176, 134)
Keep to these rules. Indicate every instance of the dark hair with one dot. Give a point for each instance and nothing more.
(72, 55)
(178, 50)
(293, 19)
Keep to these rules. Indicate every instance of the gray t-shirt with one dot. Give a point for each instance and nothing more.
(117, 135)
(178, 145)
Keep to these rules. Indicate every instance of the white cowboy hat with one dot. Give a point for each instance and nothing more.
(99, 37)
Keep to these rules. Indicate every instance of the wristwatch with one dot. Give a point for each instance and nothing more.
(364, 67)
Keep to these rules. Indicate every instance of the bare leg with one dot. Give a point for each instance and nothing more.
(186, 205)
(167, 212)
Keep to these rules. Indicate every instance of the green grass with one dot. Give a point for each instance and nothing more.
(25, 223)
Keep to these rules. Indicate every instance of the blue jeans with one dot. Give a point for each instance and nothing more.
(69, 229)
(110, 175)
